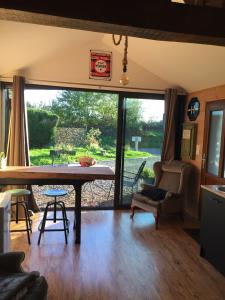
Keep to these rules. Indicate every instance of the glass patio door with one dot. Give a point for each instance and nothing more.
(141, 142)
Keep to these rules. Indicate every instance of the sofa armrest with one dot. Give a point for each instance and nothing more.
(10, 262)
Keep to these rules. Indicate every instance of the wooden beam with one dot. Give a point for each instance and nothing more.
(157, 20)
(214, 3)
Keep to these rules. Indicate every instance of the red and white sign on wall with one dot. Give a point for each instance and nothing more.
(100, 65)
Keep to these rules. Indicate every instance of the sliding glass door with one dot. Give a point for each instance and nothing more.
(118, 129)
(142, 143)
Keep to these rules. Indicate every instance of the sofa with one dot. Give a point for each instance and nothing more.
(15, 283)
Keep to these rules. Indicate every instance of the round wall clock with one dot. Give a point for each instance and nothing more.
(193, 109)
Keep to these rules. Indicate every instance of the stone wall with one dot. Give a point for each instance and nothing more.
(75, 137)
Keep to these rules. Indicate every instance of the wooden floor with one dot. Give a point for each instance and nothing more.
(122, 259)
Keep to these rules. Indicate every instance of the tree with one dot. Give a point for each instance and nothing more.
(91, 109)
(41, 124)
(85, 109)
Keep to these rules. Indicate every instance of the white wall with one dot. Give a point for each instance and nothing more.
(70, 67)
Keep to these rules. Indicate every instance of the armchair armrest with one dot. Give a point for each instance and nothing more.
(10, 262)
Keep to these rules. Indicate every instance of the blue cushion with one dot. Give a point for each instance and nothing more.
(154, 193)
(55, 193)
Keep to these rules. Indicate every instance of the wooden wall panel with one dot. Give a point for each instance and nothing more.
(204, 96)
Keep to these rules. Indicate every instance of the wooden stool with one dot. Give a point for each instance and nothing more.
(19, 193)
(55, 204)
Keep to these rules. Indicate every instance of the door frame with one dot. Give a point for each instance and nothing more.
(207, 178)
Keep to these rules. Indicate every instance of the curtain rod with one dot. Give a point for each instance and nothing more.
(96, 86)
(31, 80)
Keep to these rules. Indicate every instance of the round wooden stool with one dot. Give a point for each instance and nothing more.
(54, 203)
(20, 196)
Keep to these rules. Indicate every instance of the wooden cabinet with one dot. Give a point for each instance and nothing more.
(212, 236)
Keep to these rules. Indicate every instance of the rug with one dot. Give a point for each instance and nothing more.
(193, 233)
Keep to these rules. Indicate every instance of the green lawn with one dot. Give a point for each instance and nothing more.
(40, 157)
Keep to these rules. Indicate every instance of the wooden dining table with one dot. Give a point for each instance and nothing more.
(71, 174)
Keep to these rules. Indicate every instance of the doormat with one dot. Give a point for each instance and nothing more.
(193, 233)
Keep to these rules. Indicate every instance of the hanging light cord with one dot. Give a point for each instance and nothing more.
(124, 61)
(116, 43)
(114, 40)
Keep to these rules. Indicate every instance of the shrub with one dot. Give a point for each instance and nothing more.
(76, 137)
(42, 125)
(147, 173)
(92, 138)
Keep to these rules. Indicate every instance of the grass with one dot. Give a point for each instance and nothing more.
(40, 157)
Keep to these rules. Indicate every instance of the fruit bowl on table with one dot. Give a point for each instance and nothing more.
(87, 161)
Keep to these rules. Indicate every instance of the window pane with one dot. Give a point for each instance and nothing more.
(143, 142)
(216, 121)
(65, 125)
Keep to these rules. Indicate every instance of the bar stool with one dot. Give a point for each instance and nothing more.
(54, 193)
(18, 194)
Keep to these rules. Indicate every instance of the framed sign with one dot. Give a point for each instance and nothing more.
(100, 65)
(188, 142)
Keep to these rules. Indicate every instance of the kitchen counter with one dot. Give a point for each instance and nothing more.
(214, 189)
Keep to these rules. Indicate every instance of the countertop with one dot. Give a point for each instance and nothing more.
(214, 189)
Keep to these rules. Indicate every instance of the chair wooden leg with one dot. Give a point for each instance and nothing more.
(132, 212)
(156, 220)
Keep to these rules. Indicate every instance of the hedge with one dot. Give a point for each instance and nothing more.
(42, 125)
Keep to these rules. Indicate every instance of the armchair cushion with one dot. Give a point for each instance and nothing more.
(154, 193)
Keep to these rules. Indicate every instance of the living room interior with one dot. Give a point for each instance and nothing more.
(132, 246)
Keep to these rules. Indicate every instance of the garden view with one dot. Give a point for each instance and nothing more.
(78, 123)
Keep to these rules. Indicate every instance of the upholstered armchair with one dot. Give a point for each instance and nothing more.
(172, 179)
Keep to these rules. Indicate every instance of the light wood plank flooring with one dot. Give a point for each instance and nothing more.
(121, 259)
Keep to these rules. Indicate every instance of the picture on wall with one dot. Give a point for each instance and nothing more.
(100, 65)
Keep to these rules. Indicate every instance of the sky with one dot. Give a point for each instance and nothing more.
(152, 110)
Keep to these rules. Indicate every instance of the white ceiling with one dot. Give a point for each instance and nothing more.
(191, 66)
(23, 44)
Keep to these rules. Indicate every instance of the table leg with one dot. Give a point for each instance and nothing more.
(77, 223)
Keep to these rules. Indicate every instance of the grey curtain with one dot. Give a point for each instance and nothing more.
(18, 145)
(168, 148)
